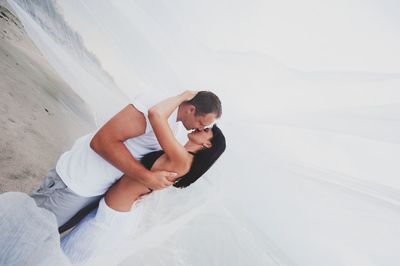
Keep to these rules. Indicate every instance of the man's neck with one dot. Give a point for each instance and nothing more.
(179, 115)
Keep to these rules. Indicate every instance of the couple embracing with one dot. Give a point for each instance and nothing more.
(149, 145)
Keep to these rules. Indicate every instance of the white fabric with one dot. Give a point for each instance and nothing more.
(29, 234)
(88, 174)
(313, 188)
(99, 232)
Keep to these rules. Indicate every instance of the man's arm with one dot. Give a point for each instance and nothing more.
(109, 144)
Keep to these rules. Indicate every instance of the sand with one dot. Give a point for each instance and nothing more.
(40, 115)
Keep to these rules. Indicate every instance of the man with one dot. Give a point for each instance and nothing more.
(96, 161)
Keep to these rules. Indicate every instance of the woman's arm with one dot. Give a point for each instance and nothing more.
(158, 116)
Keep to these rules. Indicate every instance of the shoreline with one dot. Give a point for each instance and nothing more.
(40, 115)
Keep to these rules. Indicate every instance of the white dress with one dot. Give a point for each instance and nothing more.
(98, 232)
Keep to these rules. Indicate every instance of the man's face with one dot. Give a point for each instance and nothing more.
(200, 122)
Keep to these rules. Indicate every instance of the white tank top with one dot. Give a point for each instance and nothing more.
(88, 174)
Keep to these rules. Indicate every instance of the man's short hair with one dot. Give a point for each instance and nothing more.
(206, 102)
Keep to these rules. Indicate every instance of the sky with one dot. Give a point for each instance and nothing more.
(307, 35)
(259, 41)
(342, 35)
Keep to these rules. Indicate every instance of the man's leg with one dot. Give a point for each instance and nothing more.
(56, 197)
(78, 216)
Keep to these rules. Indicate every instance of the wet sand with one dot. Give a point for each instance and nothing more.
(40, 115)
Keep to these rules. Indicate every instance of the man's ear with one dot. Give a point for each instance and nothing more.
(192, 109)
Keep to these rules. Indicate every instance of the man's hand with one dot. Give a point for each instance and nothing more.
(161, 180)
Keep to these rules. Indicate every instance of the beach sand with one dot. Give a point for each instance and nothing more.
(40, 115)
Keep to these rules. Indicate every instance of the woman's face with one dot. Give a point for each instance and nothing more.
(201, 136)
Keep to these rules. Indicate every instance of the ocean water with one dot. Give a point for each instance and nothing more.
(310, 175)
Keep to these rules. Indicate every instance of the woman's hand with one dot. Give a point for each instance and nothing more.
(188, 95)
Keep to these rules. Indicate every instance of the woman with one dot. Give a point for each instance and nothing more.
(115, 214)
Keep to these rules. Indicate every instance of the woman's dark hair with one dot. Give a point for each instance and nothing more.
(204, 159)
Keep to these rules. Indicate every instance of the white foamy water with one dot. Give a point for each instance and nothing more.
(310, 175)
